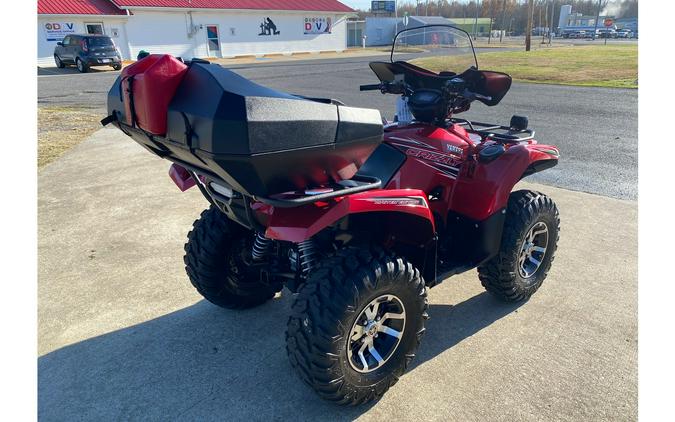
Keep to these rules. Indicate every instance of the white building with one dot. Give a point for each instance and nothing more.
(197, 28)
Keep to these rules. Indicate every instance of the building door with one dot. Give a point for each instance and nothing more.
(213, 40)
(94, 28)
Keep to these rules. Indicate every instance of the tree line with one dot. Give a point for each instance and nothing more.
(511, 15)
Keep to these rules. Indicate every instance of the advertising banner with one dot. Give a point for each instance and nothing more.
(318, 25)
(55, 31)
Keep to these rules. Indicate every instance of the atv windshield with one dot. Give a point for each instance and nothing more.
(438, 48)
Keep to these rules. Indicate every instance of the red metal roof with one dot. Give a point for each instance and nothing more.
(304, 5)
(78, 7)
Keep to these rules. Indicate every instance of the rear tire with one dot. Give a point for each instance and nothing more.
(117, 66)
(58, 62)
(521, 265)
(338, 310)
(81, 67)
(216, 257)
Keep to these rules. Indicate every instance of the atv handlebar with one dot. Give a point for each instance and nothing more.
(371, 87)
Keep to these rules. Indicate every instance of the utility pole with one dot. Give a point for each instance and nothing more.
(528, 32)
(475, 24)
(501, 27)
(550, 31)
(543, 33)
(597, 18)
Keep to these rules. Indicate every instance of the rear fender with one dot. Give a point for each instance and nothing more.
(402, 209)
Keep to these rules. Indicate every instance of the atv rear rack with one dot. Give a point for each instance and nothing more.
(495, 132)
(358, 183)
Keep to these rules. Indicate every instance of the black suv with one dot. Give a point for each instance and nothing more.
(87, 50)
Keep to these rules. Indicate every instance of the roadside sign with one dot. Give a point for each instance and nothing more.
(609, 22)
(383, 6)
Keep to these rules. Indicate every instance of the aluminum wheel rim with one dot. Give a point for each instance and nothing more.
(376, 333)
(533, 250)
(80, 66)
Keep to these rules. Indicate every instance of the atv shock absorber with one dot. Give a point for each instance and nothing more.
(307, 257)
(261, 247)
(303, 259)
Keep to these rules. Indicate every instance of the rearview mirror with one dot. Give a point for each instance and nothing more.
(59, 43)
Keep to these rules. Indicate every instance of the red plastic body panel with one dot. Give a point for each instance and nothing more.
(301, 223)
(439, 161)
(155, 79)
(445, 159)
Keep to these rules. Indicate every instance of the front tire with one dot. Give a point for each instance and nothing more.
(217, 255)
(529, 242)
(357, 301)
(59, 62)
(81, 67)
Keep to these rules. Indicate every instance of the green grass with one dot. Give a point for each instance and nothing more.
(614, 66)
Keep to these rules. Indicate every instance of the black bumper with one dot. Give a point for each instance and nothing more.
(103, 61)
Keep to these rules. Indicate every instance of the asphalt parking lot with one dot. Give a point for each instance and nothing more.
(123, 336)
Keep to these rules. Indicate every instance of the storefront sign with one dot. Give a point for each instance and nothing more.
(318, 25)
(55, 31)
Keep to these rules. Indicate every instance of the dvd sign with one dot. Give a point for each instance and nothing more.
(318, 25)
(56, 31)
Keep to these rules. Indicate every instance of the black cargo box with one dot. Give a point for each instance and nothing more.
(258, 140)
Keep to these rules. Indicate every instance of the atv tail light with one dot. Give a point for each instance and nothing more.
(181, 177)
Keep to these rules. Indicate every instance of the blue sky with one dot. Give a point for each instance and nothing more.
(365, 4)
(357, 4)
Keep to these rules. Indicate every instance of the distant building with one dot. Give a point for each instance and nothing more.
(570, 21)
(381, 31)
(627, 23)
(190, 28)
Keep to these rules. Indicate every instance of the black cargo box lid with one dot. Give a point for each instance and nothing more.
(229, 114)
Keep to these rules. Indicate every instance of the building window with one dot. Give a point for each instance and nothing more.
(94, 28)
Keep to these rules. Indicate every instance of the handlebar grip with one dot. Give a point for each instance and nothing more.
(371, 87)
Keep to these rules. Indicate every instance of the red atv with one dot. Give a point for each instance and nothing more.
(355, 216)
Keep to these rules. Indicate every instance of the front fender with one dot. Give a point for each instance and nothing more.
(301, 223)
(486, 190)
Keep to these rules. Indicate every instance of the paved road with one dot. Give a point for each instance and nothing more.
(123, 335)
(595, 128)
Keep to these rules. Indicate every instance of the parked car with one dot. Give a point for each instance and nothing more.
(606, 33)
(87, 50)
(624, 33)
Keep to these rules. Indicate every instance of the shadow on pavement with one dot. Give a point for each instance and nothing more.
(205, 363)
(71, 70)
